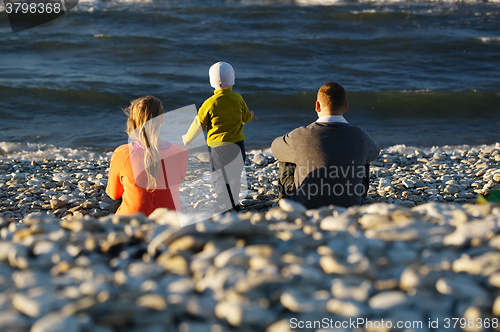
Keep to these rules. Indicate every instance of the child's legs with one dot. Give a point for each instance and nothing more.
(234, 172)
(226, 170)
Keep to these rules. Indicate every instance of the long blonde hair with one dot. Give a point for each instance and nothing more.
(140, 114)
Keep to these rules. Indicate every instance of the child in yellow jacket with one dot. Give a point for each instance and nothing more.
(223, 115)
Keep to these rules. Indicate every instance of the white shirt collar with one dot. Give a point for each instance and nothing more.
(332, 118)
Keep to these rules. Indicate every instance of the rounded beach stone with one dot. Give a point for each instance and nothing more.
(56, 204)
(496, 307)
(56, 322)
(291, 206)
(296, 303)
(83, 185)
(357, 289)
(204, 156)
(388, 300)
(33, 305)
(345, 308)
(280, 326)
(12, 320)
(58, 177)
(259, 160)
(340, 223)
(152, 301)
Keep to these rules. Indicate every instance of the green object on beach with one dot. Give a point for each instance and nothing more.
(491, 197)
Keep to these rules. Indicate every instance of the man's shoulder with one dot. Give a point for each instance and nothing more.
(309, 129)
(333, 126)
(327, 126)
(302, 128)
(298, 132)
(289, 138)
(315, 128)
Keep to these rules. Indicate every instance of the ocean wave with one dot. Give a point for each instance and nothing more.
(92, 5)
(423, 103)
(74, 96)
(403, 149)
(340, 2)
(365, 11)
(35, 151)
(86, 4)
(488, 40)
(318, 2)
(32, 151)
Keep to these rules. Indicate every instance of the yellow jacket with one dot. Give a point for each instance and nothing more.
(223, 115)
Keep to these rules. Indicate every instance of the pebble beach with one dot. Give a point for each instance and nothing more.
(421, 250)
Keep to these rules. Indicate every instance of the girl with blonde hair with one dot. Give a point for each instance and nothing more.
(146, 173)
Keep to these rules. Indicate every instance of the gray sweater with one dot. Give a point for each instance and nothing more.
(330, 159)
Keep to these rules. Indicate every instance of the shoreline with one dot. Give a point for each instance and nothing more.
(401, 175)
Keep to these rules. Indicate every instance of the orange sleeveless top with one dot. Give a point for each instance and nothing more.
(128, 179)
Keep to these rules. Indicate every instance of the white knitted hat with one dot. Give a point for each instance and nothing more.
(221, 75)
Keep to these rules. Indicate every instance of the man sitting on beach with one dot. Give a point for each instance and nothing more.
(326, 162)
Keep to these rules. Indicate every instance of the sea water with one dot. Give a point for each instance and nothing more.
(420, 73)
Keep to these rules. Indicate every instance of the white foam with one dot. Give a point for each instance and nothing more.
(488, 40)
(265, 152)
(318, 2)
(91, 5)
(403, 149)
(33, 151)
(366, 11)
(100, 5)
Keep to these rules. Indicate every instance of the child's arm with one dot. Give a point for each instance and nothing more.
(254, 117)
(248, 115)
(193, 132)
(200, 122)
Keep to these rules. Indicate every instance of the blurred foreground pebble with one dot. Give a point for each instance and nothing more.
(250, 271)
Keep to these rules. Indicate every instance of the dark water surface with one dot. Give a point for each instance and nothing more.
(417, 73)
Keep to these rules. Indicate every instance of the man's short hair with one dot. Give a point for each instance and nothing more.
(332, 96)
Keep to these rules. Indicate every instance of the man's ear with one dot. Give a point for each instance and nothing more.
(346, 107)
(318, 107)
